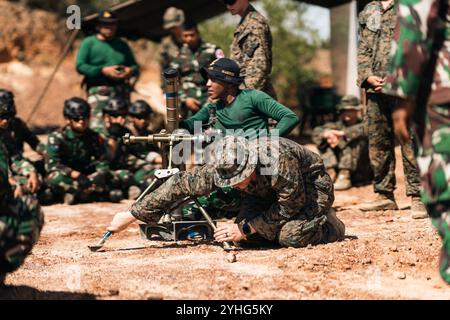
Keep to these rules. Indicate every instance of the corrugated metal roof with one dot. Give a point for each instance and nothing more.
(143, 19)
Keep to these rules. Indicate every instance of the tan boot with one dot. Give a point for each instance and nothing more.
(335, 227)
(332, 173)
(343, 181)
(384, 201)
(418, 210)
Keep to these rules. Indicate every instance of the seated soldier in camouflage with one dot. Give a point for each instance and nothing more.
(76, 157)
(21, 221)
(23, 175)
(140, 114)
(343, 145)
(287, 194)
(194, 55)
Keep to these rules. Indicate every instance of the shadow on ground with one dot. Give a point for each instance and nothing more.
(29, 293)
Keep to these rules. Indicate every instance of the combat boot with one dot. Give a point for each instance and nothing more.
(343, 181)
(418, 210)
(115, 195)
(69, 199)
(335, 228)
(332, 173)
(384, 201)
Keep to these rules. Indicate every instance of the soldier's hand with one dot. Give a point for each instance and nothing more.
(228, 232)
(18, 191)
(126, 72)
(121, 221)
(33, 182)
(376, 83)
(193, 104)
(75, 174)
(400, 119)
(111, 72)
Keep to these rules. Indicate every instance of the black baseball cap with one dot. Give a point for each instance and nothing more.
(107, 17)
(223, 69)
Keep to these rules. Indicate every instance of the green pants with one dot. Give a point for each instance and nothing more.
(20, 228)
(63, 183)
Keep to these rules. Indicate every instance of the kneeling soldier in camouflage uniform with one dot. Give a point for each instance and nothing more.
(76, 156)
(343, 144)
(21, 222)
(287, 194)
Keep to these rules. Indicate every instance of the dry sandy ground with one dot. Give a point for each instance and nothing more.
(386, 255)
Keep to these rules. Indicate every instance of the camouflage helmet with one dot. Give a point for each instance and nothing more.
(6, 107)
(349, 102)
(140, 109)
(235, 160)
(6, 94)
(76, 108)
(116, 107)
(173, 17)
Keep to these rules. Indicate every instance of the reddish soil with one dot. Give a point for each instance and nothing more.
(386, 255)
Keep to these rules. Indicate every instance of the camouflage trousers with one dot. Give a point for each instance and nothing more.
(63, 183)
(20, 228)
(434, 164)
(382, 147)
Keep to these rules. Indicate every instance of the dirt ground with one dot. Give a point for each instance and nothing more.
(386, 255)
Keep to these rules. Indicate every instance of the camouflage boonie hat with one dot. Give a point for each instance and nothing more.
(236, 160)
(173, 17)
(349, 102)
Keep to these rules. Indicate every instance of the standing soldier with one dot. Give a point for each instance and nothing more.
(252, 46)
(21, 221)
(343, 145)
(171, 45)
(421, 75)
(194, 55)
(76, 157)
(107, 64)
(377, 22)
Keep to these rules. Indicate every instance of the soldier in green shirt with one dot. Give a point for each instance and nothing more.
(194, 55)
(107, 64)
(247, 110)
(171, 45)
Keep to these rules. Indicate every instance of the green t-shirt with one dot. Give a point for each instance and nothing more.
(251, 109)
(94, 54)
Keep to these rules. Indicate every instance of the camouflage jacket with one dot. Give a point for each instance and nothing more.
(67, 151)
(285, 188)
(170, 49)
(22, 134)
(5, 187)
(351, 133)
(376, 31)
(189, 63)
(252, 50)
(421, 52)
(18, 163)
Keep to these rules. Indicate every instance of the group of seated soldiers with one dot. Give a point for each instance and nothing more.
(81, 164)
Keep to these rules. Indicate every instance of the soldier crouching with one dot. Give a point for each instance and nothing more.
(286, 197)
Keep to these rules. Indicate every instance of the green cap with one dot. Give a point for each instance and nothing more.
(349, 102)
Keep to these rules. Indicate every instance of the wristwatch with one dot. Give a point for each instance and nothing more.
(246, 228)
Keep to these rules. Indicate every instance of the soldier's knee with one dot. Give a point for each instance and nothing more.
(299, 234)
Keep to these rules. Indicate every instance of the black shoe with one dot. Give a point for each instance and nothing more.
(69, 199)
(115, 195)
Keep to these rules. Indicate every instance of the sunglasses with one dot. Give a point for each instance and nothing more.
(229, 2)
(78, 119)
(5, 117)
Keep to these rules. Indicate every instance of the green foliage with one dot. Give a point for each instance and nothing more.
(294, 44)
